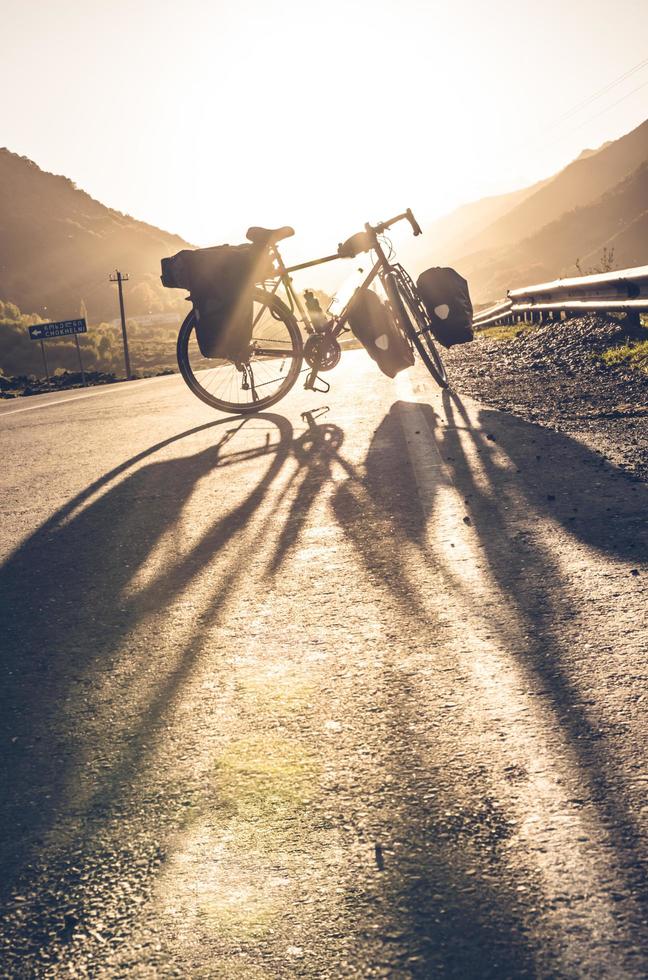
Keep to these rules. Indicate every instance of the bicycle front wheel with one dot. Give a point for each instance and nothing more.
(413, 320)
(268, 371)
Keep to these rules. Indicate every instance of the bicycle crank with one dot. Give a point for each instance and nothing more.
(322, 352)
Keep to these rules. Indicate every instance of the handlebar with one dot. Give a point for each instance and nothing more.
(363, 241)
(416, 228)
(384, 225)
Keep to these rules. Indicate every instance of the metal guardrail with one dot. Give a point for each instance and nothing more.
(623, 291)
(493, 314)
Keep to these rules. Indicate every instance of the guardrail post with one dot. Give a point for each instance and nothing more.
(634, 321)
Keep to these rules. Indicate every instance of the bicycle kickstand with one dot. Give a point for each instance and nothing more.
(309, 384)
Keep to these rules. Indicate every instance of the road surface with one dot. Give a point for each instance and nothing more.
(353, 694)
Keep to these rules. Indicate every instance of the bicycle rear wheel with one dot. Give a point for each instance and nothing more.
(268, 372)
(413, 320)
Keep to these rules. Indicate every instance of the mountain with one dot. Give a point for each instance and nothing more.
(58, 246)
(590, 153)
(516, 247)
(582, 233)
(452, 230)
(617, 220)
(580, 183)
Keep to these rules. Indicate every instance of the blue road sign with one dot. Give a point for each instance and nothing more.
(43, 331)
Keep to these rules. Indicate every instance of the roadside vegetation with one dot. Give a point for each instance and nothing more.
(152, 347)
(506, 331)
(633, 354)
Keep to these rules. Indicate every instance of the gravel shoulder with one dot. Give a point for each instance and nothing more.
(554, 375)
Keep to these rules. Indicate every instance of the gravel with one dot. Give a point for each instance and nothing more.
(553, 375)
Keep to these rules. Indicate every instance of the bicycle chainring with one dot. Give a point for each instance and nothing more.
(322, 352)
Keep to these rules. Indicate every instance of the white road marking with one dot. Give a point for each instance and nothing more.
(104, 389)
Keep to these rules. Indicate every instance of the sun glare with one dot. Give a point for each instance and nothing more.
(320, 116)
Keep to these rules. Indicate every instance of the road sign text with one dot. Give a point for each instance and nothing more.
(43, 331)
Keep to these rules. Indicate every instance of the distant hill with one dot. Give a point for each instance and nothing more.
(580, 183)
(58, 246)
(591, 203)
(617, 220)
(582, 233)
(590, 153)
(448, 234)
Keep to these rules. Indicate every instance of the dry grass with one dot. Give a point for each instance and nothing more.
(506, 332)
(633, 354)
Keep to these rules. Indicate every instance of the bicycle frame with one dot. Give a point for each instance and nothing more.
(336, 324)
(321, 349)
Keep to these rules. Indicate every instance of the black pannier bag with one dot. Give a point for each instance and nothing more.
(220, 281)
(447, 301)
(373, 325)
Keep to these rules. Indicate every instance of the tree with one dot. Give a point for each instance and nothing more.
(606, 263)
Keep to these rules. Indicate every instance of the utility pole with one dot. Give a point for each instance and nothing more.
(120, 277)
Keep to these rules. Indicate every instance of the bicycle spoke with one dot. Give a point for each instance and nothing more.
(270, 369)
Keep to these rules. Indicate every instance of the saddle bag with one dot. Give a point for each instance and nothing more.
(373, 325)
(220, 281)
(447, 301)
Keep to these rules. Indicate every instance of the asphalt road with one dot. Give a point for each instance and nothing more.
(356, 694)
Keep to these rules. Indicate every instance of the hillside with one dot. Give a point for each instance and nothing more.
(612, 222)
(580, 183)
(448, 234)
(597, 201)
(58, 246)
(617, 220)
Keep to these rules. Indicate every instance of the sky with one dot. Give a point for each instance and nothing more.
(206, 116)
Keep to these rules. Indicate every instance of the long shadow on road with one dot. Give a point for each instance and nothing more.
(526, 475)
(552, 478)
(57, 642)
(66, 615)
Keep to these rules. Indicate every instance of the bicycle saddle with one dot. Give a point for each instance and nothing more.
(268, 236)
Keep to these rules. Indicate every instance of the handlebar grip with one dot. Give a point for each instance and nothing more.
(416, 228)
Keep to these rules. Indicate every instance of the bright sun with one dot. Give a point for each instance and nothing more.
(209, 117)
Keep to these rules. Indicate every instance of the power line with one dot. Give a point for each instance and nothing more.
(597, 95)
(607, 108)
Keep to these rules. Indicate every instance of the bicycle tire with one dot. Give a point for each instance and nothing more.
(215, 382)
(414, 322)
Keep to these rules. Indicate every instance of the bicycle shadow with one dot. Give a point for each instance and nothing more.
(70, 612)
(111, 539)
(376, 510)
(529, 577)
(103, 538)
(597, 507)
